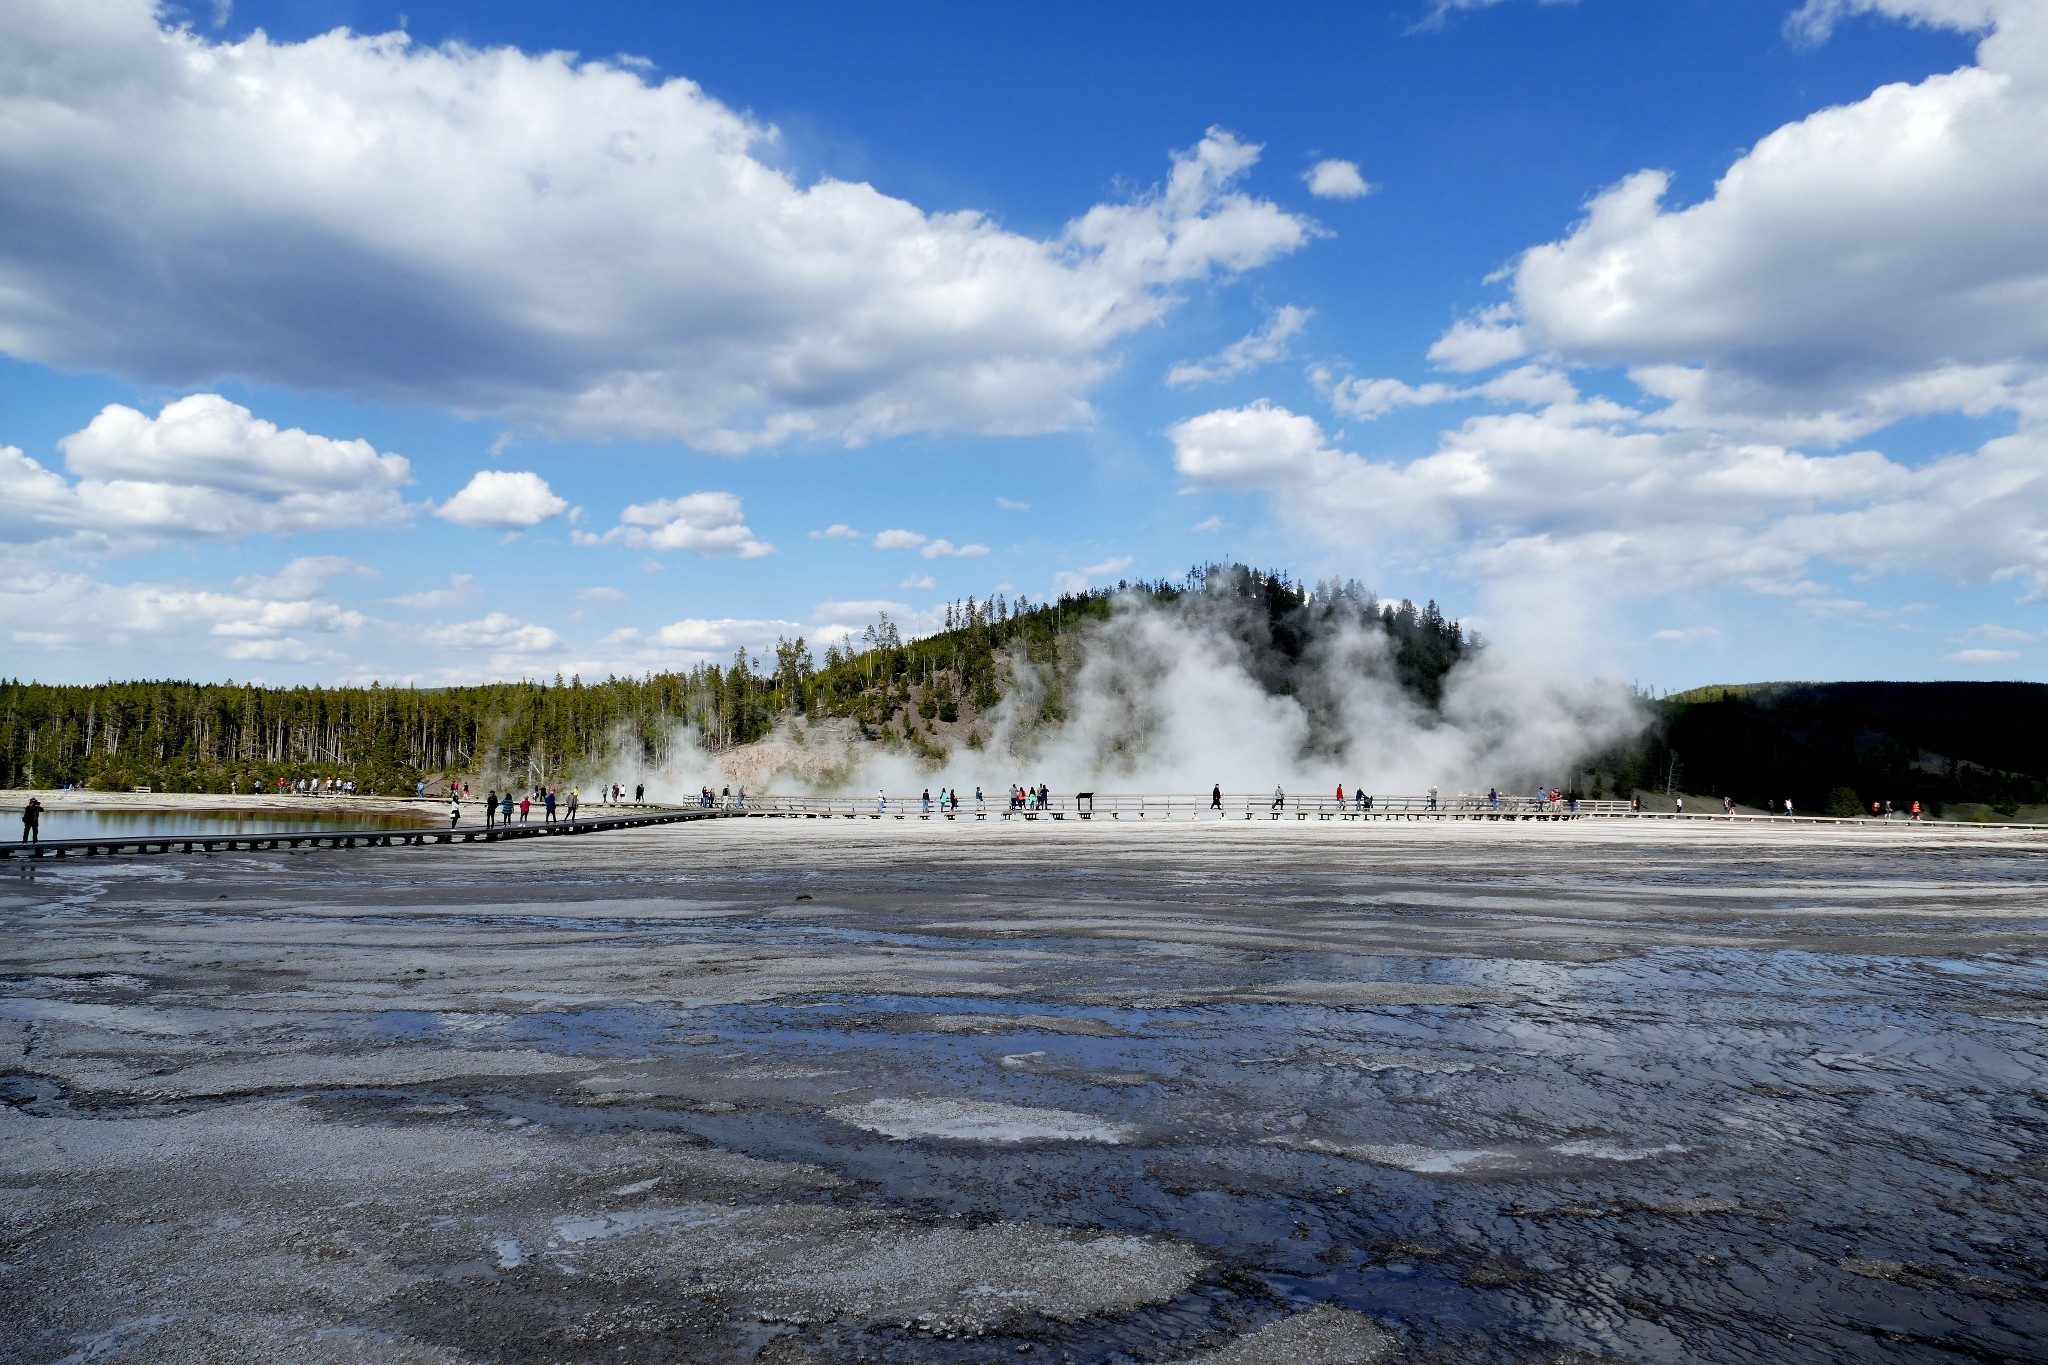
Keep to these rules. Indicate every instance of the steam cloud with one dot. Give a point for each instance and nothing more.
(1171, 697)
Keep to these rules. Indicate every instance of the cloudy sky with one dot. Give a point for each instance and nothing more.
(464, 340)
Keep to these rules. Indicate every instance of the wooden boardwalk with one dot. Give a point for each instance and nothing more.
(201, 842)
(1402, 809)
(1154, 806)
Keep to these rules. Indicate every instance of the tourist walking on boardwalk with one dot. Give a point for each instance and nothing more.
(639, 793)
(1432, 798)
(1678, 805)
(454, 810)
(490, 807)
(1493, 797)
(525, 805)
(1216, 797)
(1788, 808)
(548, 806)
(505, 808)
(927, 800)
(575, 796)
(1279, 798)
(1340, 793)
(32, 822)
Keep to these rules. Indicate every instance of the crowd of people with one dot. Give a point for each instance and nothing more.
(301, 786)
(500, 808)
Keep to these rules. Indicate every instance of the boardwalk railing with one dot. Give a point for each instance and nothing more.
(478, 833)
(1161, 806)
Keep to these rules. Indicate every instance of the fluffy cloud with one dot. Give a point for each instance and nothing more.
(1260, 347)
(1877, 260)
(1337, 180)
(838, 530)
(502, 499)
(1371, 398)
(305, 576)
(898, 540)
(1872, 261)
(931, 549)
(282, 618)
(462, 587)
(1579, 483)
(1981, 658)
(724, 633)
(203, 467)
(946, 547)
(542, 240)
(708, 524)
(497, 632)
(866, 609)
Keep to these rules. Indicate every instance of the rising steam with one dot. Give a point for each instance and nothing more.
(1174, 696)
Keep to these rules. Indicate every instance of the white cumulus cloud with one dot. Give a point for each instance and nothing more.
(1262, 346)
(899, 540)
(1337, 180)
(938, 548)
(1875, 260)
(498, 632)
(503, 499)
(1580, 483)
(710, 524)
(202, 467)
(543, 240)
(279, 619)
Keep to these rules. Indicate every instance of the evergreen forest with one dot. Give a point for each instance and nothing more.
(192, 737)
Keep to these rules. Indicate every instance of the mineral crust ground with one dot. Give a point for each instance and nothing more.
(780, 1091)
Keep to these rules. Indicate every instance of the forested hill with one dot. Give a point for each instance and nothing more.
(920, 694)
(1847, 744)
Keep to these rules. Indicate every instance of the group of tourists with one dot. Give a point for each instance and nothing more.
(614, 793)
(499, 808)
(707, 799)
(300, 786)
(949, 800)
(1030, 798)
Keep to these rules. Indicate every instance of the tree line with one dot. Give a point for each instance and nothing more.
(186, 736)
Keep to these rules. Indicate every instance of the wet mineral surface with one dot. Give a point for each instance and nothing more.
(766, 1090)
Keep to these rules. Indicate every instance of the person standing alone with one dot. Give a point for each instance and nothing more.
(32, 822)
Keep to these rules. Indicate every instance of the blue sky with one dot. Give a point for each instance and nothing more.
(1683, 342)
